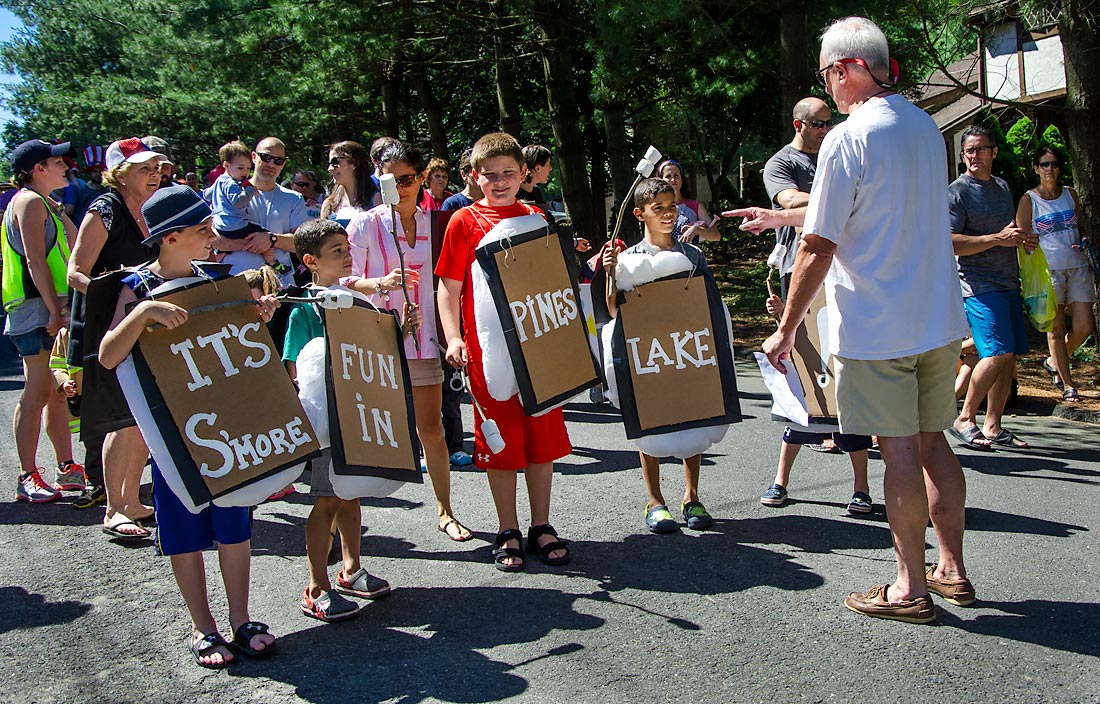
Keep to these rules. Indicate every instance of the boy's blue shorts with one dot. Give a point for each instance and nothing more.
(179, 531)
(997, 323)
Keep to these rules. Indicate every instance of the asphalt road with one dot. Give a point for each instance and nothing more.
(747, 612)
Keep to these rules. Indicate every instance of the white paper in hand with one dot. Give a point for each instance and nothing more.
(788, 398)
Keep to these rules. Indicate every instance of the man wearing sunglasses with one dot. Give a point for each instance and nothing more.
(276, 209)
(877, 228)
(789, 174)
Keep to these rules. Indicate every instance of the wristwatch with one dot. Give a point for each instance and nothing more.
(274, 239)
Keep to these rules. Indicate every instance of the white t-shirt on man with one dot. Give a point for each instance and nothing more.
(880, 194)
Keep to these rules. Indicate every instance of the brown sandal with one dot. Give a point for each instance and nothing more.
(444, 528)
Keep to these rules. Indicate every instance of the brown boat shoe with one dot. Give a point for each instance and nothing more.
(874, 603)
(959, 592)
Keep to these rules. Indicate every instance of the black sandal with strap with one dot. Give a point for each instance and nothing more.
(543, 551)
(501, 553)
(242, 640)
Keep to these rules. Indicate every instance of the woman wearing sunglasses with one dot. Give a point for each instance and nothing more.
(353, 189)
(375, 256)
(1050, 211)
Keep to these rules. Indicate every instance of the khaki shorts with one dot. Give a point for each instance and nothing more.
(898, 397)
(1073, 285)
(425, 372)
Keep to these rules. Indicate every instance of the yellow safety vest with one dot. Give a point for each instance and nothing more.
(17, 285)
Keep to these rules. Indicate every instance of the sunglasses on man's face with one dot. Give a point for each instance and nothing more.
(818, 124)
(270, 159)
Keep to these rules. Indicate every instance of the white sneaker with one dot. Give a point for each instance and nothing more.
(71, 478)
(34, 489)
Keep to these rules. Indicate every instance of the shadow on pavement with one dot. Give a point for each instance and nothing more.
(1062, 625)
(23, 609)
(1028, 463)
(986, 520)
(421, 644)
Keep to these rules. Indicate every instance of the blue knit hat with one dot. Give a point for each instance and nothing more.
(173, 208)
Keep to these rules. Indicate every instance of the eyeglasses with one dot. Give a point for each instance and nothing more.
(269, 159)
(335, 161)
(973, 151)
(300, 184)
(406, 180)
(818, 124)
(819, 74)
(1049, 164)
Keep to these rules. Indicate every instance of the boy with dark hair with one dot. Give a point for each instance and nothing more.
(322, 246)
(179, 221)
(655, 208)
(230, 195)
(532, 443)
(470, 191)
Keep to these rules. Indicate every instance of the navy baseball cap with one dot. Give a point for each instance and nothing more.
(29, 153)
(173, 208)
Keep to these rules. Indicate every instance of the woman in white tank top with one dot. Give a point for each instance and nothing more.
(1050, 210)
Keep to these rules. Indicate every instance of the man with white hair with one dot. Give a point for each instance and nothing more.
(877, 226)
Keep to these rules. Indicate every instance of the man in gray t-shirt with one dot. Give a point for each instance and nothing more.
(985, 238)
(789, 174)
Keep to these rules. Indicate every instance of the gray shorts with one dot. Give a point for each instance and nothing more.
(320, 484)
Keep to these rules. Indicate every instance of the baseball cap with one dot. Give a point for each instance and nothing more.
(29, 153)
(130, 151)
(173, 208)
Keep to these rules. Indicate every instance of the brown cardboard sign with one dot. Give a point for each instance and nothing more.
(234, 407)
(371, 423)
(671, 353)
(536, 296)
(815, 371)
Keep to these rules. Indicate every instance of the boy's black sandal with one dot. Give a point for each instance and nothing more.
(500, 553)
(543, 551)
(242, 640)
(204, 645)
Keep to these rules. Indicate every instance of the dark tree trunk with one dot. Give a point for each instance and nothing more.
(433, 112)
(507, 103)
(1081, 44)
(795, 66)
(553, 18)
(619, 158)
(391, 98)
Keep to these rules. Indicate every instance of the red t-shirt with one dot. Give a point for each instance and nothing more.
(464, 230)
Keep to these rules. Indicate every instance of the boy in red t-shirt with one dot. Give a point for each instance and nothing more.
(532, 443)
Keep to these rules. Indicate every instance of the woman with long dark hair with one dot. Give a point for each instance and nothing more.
(353, 189)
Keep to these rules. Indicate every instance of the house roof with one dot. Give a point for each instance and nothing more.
(957, 112)
(937, 90)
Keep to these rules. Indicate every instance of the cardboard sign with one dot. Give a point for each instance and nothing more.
(814, 363)
(673, 365)
(535, 292)
(371, 423)
(232, 410)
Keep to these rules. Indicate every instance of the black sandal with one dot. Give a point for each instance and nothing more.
(204, 645)
(500, 553)
(242, 640)
(543, 551)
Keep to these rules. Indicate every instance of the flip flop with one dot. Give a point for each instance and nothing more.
(1007, 439)
(967, 437)
(202, 647)
(112, 529)
(454, 522)
(242, 640)
(1054, 378)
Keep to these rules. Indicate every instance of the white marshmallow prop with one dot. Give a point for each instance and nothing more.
(500, 375)
(489, 429)
(313, 393)
(251, 494)
(632, 271)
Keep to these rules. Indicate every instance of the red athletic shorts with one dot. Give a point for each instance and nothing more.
(527, 439)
